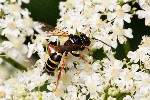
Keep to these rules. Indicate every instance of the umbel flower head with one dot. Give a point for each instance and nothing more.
(84, 77)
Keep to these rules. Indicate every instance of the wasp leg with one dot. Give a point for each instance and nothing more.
(90, 52)
(59, 74)
(80, 55)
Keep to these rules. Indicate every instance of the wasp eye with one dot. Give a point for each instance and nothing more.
(85, 39)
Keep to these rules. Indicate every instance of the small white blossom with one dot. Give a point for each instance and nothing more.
(121, 34)
(106, 4)
(120, 15)
(10, 26)
(112, 68)
(142, 53)
(145, 12)
(127, 97)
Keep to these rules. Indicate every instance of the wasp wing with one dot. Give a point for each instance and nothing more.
(64, 48)
(47, 28)
(50, 30)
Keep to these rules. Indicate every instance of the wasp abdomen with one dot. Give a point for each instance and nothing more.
(53, 62)
(56, 57)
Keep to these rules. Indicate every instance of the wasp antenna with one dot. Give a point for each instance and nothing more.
(101, 41)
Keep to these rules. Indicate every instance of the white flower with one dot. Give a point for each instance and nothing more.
(66, 78)
(106, 4)
(91, 87)
(121, 34)
(106, 39)
(72, 93)
(24, 1)
(51, 87)
(74, 23)
(125, 81)
(26, 25)
(120, 15)
(112, 68)
(33, 78)
(145, 41)
(52, 96)
(96, 66)
(145, 13)
(13, 10)
(138, 55)
(31, 49)
(142, 54)
(112, 91)
(4, 71)
(10, 26)
(18, 1)
(139, 96)
(111, 98)
(37, 45)
(15, 48)
(2, 1)
(143, 2)
(78, 79)
(86, 19)
(16, 21)
(142, 83)
(134, 67)
(127, 97)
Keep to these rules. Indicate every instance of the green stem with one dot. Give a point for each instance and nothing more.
(9, 59)
(126, 47)
(14, 63)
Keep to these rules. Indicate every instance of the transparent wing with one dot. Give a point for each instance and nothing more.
(42, 27)
(64, 48)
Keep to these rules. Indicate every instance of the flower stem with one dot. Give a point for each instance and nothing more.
(14, 63)
(126, 47)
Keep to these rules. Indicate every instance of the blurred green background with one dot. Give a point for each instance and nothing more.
(48, 11)
(44, 10)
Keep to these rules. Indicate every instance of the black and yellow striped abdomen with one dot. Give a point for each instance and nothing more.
(53, 62)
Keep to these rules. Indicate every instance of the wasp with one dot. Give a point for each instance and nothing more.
(73, 43)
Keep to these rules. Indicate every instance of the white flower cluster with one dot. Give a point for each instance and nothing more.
(15, 1)
(142, 54)
(15, 26)
(106, 79)
(21, 86)
(101, 19)
(145, 12)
